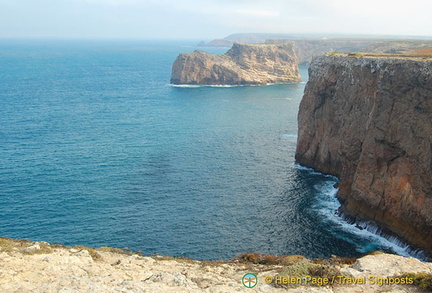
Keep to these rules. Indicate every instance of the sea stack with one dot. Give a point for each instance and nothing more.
(368, 121)
(243, 64)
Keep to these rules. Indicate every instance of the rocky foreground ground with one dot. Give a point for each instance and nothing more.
(27, 266)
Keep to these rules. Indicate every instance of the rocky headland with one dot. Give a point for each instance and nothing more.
(40, 267)
(306, 50)
(308, 46)
(366, 119)
(243, 64)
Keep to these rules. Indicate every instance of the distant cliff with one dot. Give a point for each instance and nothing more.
(308, 49)
(309, 46)
(241, 65)
(368, 121)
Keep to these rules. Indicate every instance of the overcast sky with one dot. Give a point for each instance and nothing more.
(209, 19)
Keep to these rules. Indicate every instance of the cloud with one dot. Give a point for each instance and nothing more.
(112, 2)
(258, 12)
(210, 18)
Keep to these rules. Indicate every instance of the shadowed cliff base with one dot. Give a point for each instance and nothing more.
(367, 120)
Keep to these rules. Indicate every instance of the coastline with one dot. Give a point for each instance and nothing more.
(41, 267)
(328, 206)
(356, 122)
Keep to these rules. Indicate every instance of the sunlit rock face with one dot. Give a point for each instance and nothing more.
(369, 121)
(243, 64)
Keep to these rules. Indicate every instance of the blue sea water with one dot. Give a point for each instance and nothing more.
(98, 149)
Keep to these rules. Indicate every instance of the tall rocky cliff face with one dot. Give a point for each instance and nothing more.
(369, 122)
(241, 65)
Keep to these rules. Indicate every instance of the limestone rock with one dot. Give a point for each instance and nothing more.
(368, 121)
(306, 50)
(62, 269)
(241, 65)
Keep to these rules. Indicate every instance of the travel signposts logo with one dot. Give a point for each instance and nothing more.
(249, 280)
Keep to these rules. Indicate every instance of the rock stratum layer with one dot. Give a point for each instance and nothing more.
(241, 65)
(41, 267)
(368, 121)
(308, 46)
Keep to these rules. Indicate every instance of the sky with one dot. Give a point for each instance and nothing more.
(210, 19)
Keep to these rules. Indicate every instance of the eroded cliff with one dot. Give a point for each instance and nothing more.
(306, 50)
(368, 121)
(241, 65)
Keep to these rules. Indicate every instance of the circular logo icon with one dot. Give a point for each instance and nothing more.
(249, 280)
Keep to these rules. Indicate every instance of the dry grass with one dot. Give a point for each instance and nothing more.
(306, 269)
(177, 259)
(114, 250)
(297, 266)
(257, 258)
(336, 261)
(24, 246)
(92, 251)
(424, 53)
(9, 245)
(421, 280)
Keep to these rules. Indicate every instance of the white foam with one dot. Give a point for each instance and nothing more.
(327, 206)
(226, 85)
(203, 85)
(289, 136)
(366, 230)
(312, 171)
(185, 85)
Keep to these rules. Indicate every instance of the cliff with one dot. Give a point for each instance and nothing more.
(306, 50)
(368, 121)
(241, 65)
(308, 46)
(40, 267)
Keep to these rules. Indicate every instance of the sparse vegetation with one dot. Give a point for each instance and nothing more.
(424, 53)
(257, 258)
(297, 266)
(177, 259)
(283, 267)
(355, 54)
(288, 260)
(305, 269)
(93, 252)
(8, 245)
(24, 246)
(422, 280)
(334, 260)
(113, 250)
(40, 248)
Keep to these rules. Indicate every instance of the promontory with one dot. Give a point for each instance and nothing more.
(243, 64)
(368, 120)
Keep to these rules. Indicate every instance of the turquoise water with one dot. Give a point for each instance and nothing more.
(96, 148)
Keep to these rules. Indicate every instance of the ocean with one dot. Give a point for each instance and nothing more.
(98, 149)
